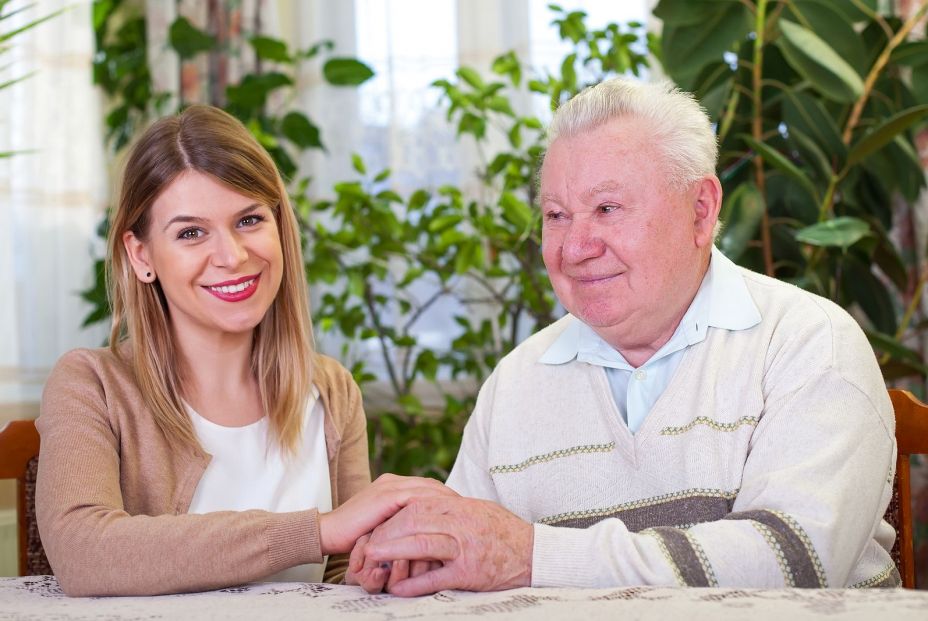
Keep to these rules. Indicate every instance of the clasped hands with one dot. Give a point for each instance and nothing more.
(415, 536)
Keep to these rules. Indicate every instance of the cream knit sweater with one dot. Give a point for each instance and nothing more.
(767, 462)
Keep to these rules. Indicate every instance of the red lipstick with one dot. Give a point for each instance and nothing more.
(234, 290)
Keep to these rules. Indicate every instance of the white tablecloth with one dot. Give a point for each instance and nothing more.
(39, 597)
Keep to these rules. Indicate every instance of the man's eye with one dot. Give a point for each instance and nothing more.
(250, 220)
(554, 215)
(190, 234)
(608, 208)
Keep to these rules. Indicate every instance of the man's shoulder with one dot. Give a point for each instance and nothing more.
(818, 332)
(794, 306)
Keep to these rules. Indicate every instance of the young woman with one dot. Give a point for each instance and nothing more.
(208, 445)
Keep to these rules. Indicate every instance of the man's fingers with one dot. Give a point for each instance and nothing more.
(399, 571)
(417, 568)
(372, 580)
(427, 583)
(356, 558)
(423, 546)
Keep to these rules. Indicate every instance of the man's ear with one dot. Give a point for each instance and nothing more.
(139, 257)
(707, 203)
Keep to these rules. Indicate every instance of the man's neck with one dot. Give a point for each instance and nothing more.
(636, 344)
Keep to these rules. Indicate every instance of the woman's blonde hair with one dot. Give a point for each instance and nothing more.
(209, 141)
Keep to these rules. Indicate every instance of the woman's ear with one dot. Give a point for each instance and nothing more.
(137, 252)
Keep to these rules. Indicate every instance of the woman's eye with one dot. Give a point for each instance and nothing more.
(250, 220)
(189, 234)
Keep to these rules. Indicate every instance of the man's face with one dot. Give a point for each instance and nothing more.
(624, 250)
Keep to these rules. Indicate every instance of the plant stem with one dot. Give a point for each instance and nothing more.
(729, 115)
(825, 209)
(877, 68)
(385, 350)
(757, 129)
(909, 312)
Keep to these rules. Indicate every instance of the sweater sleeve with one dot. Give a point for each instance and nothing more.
(470, 474)
(353, 468)
(96, 548)
(812, 494)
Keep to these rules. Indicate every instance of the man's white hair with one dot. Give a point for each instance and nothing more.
(680, 126)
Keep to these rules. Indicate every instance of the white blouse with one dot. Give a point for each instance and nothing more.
(247, 471)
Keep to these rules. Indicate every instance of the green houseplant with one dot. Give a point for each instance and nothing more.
(815, 104)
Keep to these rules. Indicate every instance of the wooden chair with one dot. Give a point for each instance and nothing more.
(911, 439)
(19, 459)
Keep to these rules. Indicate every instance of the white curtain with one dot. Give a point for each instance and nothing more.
(51, 197)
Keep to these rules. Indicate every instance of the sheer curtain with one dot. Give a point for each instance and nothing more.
(52, 196)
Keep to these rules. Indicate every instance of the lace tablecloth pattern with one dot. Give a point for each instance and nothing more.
(39, 597)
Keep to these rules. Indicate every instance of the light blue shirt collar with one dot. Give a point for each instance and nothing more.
(723, 301)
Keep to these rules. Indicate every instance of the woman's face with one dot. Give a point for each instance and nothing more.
(216, 254)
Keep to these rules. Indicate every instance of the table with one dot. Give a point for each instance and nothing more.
(39, 597)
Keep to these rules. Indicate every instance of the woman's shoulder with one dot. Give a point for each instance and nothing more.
(102, 362)
(340, 395)
(91, 382)
(329, 375)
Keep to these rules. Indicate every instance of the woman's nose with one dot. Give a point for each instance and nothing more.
(230, 251)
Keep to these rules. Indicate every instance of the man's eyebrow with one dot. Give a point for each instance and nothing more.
(604, 187)
(548, 197)
(199, 220)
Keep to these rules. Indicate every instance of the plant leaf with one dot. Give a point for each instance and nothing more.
(741, 215)
(888, 344)
(817, 62)
(779, 161)
(346, 72)
(187, 40)
(301, 131)
(471, 77)
(270, 49)
(686, 49)
(841, 232)
(884, 133)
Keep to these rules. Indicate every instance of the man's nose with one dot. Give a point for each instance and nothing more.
(230, 252)
(582, 241)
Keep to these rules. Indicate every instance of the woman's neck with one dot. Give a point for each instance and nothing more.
(218, 380)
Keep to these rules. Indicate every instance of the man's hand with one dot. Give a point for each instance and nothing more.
(473, 545)
(340, 529)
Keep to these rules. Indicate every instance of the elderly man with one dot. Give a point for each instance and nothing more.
(689, 422)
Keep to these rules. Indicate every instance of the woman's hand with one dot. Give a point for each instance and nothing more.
(341, 528)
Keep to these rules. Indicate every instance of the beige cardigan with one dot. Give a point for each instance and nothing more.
(112, 496)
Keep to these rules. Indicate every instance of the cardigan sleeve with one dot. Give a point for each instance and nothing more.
(97, 548)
